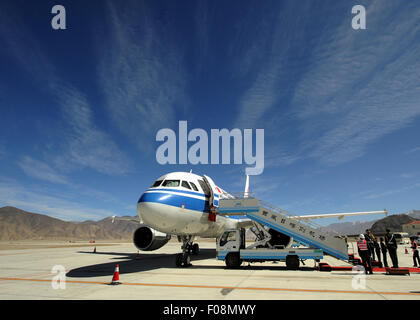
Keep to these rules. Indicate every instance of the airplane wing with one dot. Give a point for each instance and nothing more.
(225, 195)
(340, 216)
(126, 219)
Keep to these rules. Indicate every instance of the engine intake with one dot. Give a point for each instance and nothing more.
(148, 239)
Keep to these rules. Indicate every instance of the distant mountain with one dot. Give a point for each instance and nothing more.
(350, 228)
(393, 222)
(17, 224)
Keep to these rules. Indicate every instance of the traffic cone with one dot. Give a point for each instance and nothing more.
(138, 255)
(116, 277)
(94, 250)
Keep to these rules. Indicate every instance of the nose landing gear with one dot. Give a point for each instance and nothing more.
(188, 247)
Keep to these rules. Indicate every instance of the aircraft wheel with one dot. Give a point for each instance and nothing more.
(195, 249)
(292, 262)
(233, 260)
(186, 260)
(178, 260)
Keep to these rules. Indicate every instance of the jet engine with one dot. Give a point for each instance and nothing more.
(148, 239)
(279, 239)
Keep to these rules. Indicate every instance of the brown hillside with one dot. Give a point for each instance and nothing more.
(16, 224)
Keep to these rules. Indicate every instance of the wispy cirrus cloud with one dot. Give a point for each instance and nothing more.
(40, 170)
(277, 33)
(349, 89)
(15, 194)
(413, 150)
(141, 72)
(392, 192)
(82, 143)
(85, 144)
(362, 85)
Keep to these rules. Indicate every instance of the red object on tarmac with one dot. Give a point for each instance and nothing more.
(212, 216)
(397, 271)
(116, 277)
(323, 266)
(406, 251)
(376, 263)
(138, 255)
(94, 250)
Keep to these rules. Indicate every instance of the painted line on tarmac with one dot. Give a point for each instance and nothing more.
(221, 287)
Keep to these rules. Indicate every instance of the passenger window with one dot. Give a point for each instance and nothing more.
(194, 186)
(170, 183)
(185, 185)
(156, 184)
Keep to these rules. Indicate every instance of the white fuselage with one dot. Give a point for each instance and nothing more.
(169, 206)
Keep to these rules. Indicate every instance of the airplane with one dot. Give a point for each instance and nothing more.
(185, 204)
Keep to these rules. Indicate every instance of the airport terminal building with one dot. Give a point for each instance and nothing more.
(412, 228)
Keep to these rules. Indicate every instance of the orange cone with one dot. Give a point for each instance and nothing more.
(116, 277)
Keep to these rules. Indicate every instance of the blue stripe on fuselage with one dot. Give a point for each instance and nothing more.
(216, 196)
(176, 200)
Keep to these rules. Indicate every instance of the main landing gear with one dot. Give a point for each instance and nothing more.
(188, 248)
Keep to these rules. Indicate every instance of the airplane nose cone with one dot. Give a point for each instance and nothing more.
(141, 207)
(153, 213)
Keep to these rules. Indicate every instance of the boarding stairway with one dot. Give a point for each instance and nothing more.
(280, 220)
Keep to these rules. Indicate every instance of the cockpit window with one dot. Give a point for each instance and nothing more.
(156, 184)
(185, 185)
(193, 186)
(170, 183)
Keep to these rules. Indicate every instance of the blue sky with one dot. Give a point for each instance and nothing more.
(80, 108)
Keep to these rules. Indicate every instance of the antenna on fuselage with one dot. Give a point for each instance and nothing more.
(190, 170)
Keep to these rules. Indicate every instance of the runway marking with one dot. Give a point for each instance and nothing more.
(222, 287)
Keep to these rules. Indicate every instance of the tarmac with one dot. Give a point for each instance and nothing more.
(27, 272)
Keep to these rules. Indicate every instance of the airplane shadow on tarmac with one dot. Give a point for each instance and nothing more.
(129, 264)
(149, 261)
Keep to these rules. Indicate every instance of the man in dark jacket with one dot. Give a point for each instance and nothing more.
(369, 241)
(377, 250)
(384, 250)
(415, 246)
(391, 244)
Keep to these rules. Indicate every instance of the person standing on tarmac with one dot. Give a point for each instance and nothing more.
(384, 250)
(391, 244)
(416, 258)
(370, 246)
(364, 254)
